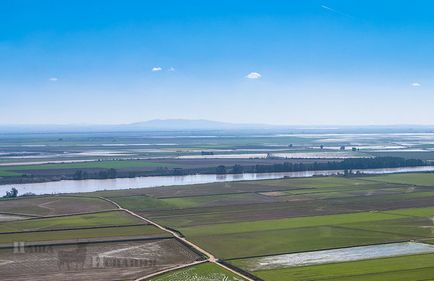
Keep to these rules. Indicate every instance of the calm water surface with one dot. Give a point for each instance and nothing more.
(338, 255)
(69, 186)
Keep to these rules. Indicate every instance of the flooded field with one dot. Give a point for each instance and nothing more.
(57, 147)
(224, 156)
(321, 155)
(285, 155)
(337, 255)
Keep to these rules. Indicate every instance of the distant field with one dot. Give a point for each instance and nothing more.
(241, 213)
(114, 164)
(311, 233)
(229, 214)
(54, 205)
(89, 220)
(201, 272)
(424, 155)
(140, 202)
(315, 182)
(318, 232)
(406, 268)
(285, 198)
(217, 188)
(414, 212)
(6, 173)
(199, 221)
(280, 224)
(425, 179)
(217, 200)
(248, 244)
(96, 233)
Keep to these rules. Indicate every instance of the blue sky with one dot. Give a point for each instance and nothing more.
(278, 62)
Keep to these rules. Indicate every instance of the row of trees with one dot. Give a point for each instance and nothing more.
(347, 164)
(106, 174)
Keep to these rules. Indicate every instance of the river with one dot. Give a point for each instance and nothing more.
(72, 186)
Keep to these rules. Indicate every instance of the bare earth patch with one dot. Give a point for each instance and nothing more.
(93, 261)
(54, 205)
(273, 193)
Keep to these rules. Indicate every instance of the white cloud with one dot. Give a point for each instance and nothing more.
(416, 84)
(53, 79)
(171, 69)
(156, 69)
(253, 75)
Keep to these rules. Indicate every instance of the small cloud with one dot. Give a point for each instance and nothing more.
(53, 79)
(156, 69)
(416, 84)
(171, 69)
(253, 75)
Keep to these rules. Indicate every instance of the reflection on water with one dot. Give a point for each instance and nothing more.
(70, 186)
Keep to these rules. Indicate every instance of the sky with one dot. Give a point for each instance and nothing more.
(304, 62)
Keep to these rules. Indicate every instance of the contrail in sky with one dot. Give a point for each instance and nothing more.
(335, 11)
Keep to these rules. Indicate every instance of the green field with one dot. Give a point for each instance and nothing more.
(414, 212)
(143, 230)
(206, 220)
(79, 221)
(53, 205)
(234, 221)
(406, 268)
(201, 272)
(266, 225)
(140, 202)
(424, 179)
(6, 173)
(238, 222)
(113, 164)
(262, 243)
(314, 182)
(268, 242)
(211, 200)
(266, 237)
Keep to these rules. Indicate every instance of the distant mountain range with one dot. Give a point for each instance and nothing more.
(151, 125)
(202, 124)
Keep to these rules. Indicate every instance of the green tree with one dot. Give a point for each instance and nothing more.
(221, 169)
(11, 194)
(237, 169)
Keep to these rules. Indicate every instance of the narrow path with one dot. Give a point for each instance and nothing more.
(210, 257)
(50, 209)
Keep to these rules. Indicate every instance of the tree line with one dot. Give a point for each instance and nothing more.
(347, 164)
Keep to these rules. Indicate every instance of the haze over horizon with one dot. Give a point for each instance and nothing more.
(301, 63)
(199, 124)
